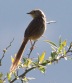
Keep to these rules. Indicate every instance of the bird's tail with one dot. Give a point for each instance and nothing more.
(18, 55)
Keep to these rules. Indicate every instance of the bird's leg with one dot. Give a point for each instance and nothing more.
(31, 42)
(32, 47)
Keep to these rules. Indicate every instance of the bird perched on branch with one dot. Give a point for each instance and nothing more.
(34, 31)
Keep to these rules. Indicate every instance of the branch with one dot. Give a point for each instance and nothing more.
(69, 49)
(4, 51)
(43, 64)
(60, 57)
(23, 75)
(49, 22)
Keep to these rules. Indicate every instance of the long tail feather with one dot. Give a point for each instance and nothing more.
(19, 54)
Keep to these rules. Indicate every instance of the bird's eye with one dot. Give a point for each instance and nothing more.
(34, 11)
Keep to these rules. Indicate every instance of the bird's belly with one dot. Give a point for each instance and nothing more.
(37, 34)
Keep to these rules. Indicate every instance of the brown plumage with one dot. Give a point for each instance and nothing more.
(34, 31)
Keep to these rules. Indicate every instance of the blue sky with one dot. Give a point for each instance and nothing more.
(13, 22)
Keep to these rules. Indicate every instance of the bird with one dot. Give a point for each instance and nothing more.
(34, 31)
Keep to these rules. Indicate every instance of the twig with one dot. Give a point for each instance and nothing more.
(49, 22)
(4, 79)
(4, 51)
(69, 49)
(22, 75)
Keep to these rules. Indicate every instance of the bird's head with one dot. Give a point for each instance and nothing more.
(36, 13)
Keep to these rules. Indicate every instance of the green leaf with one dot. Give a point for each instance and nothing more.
(60, 40)
(25, 79)
(42, 69)
(24, 60)
(15, 75)
(54, 48)
(30, 78)
(1, 81)
(9, 76)
(61, 47)
(41, 58)
(1, 75)
(69, 58)
(65, 58)
(64, 51)
(45, 62)
(27, 63)
(64, 43)
(54, 55)
(51, 43)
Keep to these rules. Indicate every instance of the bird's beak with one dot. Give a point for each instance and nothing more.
(29, 13)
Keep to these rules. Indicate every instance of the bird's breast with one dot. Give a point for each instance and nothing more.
(36, 28)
